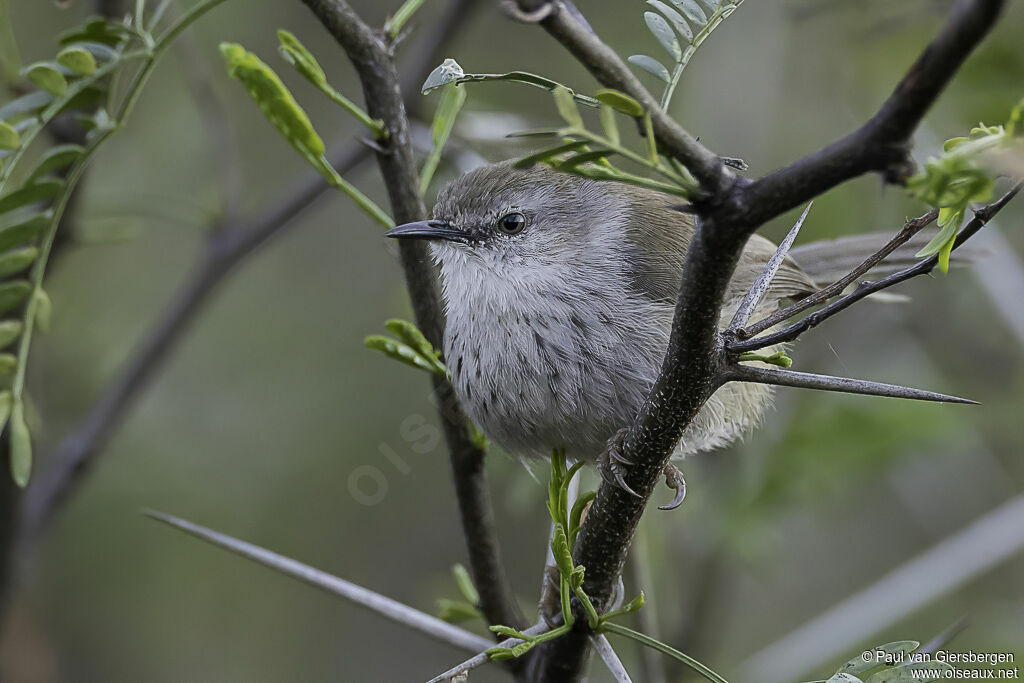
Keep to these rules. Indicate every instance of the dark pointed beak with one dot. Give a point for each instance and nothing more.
(429, 230)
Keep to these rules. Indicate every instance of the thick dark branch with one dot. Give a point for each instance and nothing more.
(922, 267)
(883, 143)
(608, 68)
(695, 364)
(370, 53)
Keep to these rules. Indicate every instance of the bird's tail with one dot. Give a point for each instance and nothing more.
(828, 260)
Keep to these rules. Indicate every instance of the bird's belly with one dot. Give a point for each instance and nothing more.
(569, 381)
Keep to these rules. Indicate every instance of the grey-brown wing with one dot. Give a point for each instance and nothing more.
(659, 235)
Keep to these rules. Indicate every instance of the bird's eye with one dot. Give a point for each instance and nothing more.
(512, 223)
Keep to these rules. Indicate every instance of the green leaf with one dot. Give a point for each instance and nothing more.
(20, 446)
(560, 551)
(944, 237)
(914, 671)
(400, 352)
(393, 26)
(620, 102)
(296, 54)
(465, 583)
(9, 331)
(26, 230)
(56, 158)
(277, 103)
(9, 138)
(547, 154)
(78, 60)
(30, 103)
(651, 65)
(567, 107)
(858, 664)
(609, 125)
(452, 99)
(47, 77)
(43, 311)
(584, 158)
(449, 71)
(108, 32)
(17, 260)
(693, 11)
(664, 33)
(455, 611)
(30, 194)
(13, 294)
(8, 364)
(682, 28)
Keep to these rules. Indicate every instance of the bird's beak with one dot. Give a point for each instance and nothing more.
(429, 230)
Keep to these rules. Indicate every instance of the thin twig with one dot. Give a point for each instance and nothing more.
(482, 658)
(364, 597)
(923, 267)
(911, 228)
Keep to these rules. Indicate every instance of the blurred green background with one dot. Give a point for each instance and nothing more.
(270, 404)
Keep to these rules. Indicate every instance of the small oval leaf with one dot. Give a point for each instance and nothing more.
(21, 446)
(17, 260)
(664, 33)
(44, 310)
(26, 104)
(56, 158)
(24, 231)
(30, 194)
(78, 60)
(6, 401)
(693, 11)
(682, 28)
(620, 101)
(567, 106)
(9, 331)
(47, 77)
(296, 54)
(650, 65)
(9, 138)
(13, 294)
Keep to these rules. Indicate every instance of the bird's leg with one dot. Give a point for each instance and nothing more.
(611, 464)
(674, 480)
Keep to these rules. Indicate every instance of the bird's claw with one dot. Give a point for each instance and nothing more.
(674, 480)
(612, 464)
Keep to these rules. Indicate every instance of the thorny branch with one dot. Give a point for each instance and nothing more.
(729, 210)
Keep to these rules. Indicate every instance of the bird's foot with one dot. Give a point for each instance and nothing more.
(612, 465)
(511, 8)
(674, 480)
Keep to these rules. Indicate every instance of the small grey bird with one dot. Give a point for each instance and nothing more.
(559, 294)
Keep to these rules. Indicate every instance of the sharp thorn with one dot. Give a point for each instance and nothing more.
(764, 280)
(807, 380)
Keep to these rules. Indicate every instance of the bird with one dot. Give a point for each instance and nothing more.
(559, 294)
